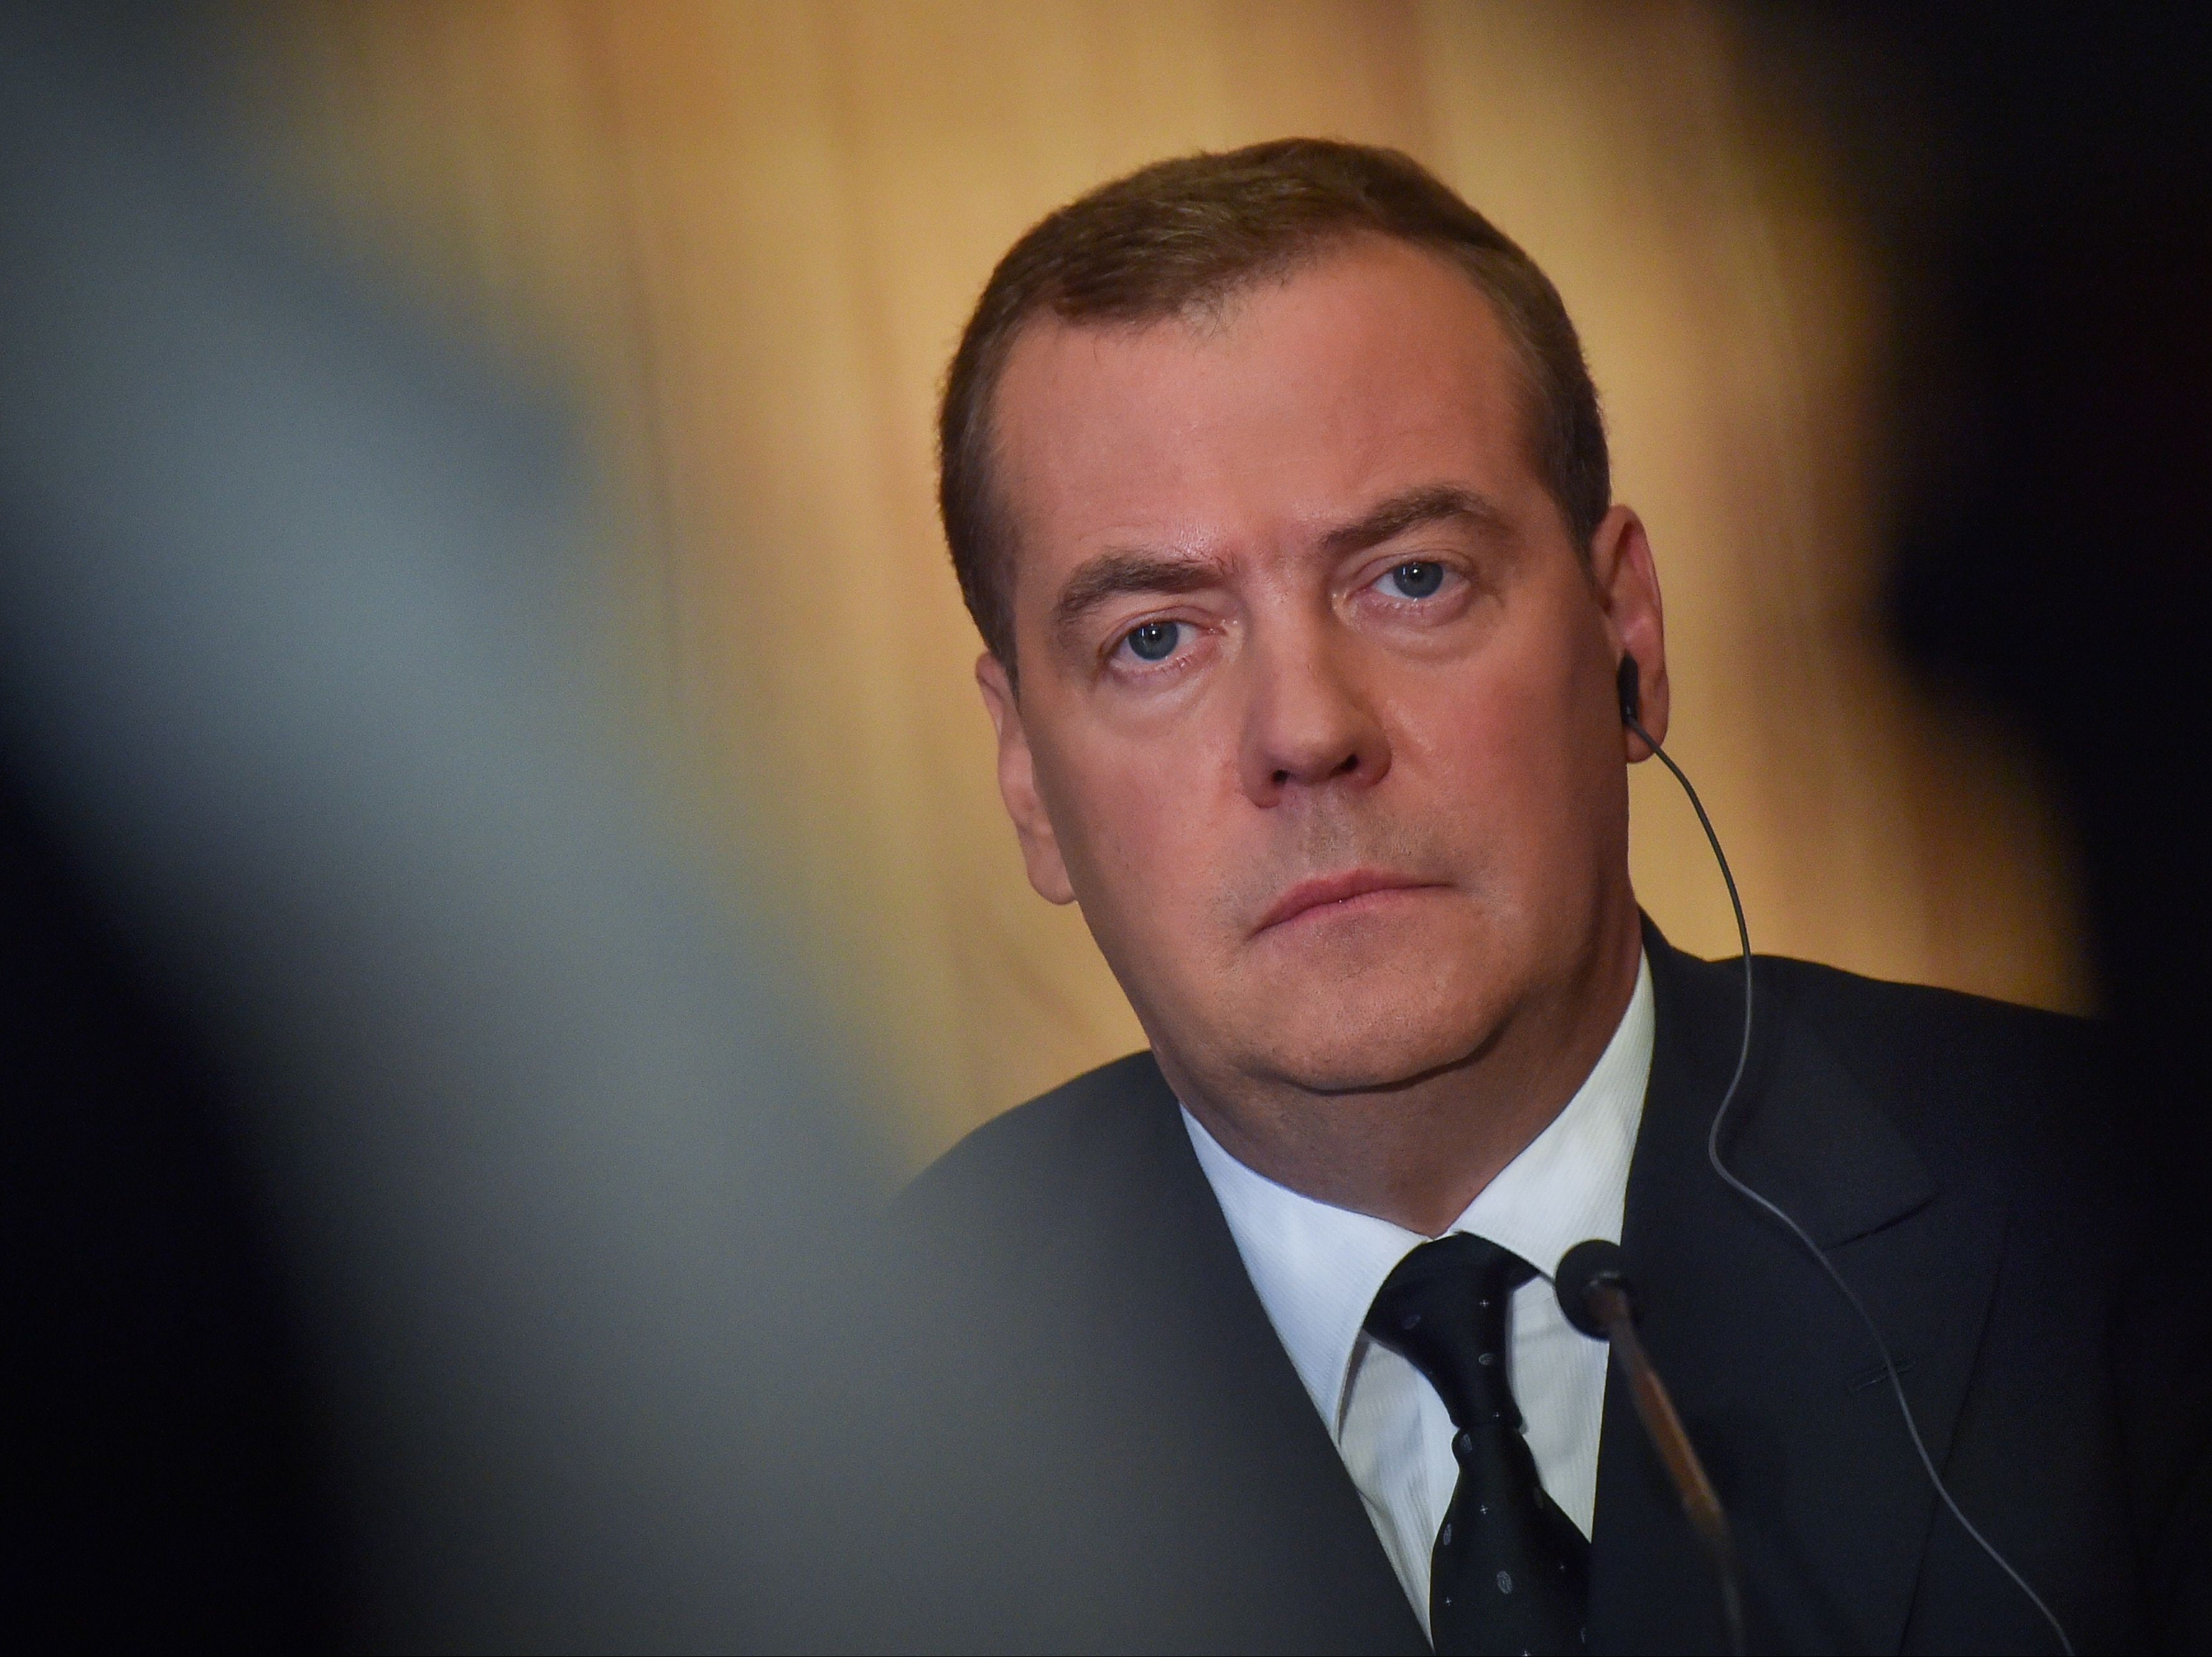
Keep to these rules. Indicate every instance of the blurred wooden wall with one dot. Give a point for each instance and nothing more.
(750, 232)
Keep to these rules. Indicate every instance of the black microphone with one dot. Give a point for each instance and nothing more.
(1593, 1294)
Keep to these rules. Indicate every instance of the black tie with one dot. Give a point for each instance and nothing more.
(1509, 1572)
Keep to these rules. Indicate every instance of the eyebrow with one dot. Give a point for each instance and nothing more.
(1436, 504)
(1112, 573)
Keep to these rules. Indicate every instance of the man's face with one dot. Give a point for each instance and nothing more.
(1317, 716)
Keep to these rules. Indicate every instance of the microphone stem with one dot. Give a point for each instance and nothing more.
(1700, 1503)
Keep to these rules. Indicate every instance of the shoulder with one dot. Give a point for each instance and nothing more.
(1032, 1166)
(2009, 1101)
(1934, 1061)
(1084, 1210)
(1850, 1072)
(1911, 1035)
(1941, 1059)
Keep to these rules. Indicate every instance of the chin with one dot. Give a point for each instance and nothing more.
(1367, 1036)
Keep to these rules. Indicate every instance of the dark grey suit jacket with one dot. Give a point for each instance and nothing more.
(1163, 1481)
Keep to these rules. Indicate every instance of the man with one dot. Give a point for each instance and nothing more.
(1276, 484)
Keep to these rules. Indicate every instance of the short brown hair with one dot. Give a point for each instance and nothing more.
(1180, 235)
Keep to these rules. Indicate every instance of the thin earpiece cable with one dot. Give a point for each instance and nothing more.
(1713, 1155)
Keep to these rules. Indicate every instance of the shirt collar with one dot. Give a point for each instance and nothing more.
(1317, 1269)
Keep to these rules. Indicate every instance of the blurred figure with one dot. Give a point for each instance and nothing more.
(428, 1210)
(2043, 181)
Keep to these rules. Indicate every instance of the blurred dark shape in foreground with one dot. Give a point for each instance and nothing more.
(428, 1221)
(2042, 179)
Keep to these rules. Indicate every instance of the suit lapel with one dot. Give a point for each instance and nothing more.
(1258, 1529)
(1778, 1382)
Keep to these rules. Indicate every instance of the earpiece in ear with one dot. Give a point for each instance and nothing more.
(1628, 680)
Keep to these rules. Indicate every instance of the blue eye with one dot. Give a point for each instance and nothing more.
(1420, 579)
(1154, 641)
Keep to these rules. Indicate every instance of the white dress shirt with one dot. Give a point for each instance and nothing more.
(1317, 1270)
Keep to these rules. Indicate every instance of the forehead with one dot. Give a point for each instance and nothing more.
(1371, 370)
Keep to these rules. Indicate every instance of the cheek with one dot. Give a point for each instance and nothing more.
(1519, 751)
(1130, 818)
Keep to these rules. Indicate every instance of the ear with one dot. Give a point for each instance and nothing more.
(1017, 784)
(1627, 585)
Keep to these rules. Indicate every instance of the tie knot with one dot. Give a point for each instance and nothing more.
(1444, 1310)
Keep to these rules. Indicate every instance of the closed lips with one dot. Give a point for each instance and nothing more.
(1311, 894)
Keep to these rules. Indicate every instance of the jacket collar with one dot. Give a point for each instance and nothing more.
(1265, 1531)
(1776, 1378)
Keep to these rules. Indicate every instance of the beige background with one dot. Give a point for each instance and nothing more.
(747, 235)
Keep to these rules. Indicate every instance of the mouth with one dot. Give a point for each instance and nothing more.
(1343, 894)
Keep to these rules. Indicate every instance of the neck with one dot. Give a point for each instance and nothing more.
(1417, 1152)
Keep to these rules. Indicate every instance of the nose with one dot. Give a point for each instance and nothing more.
(1308, 723)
